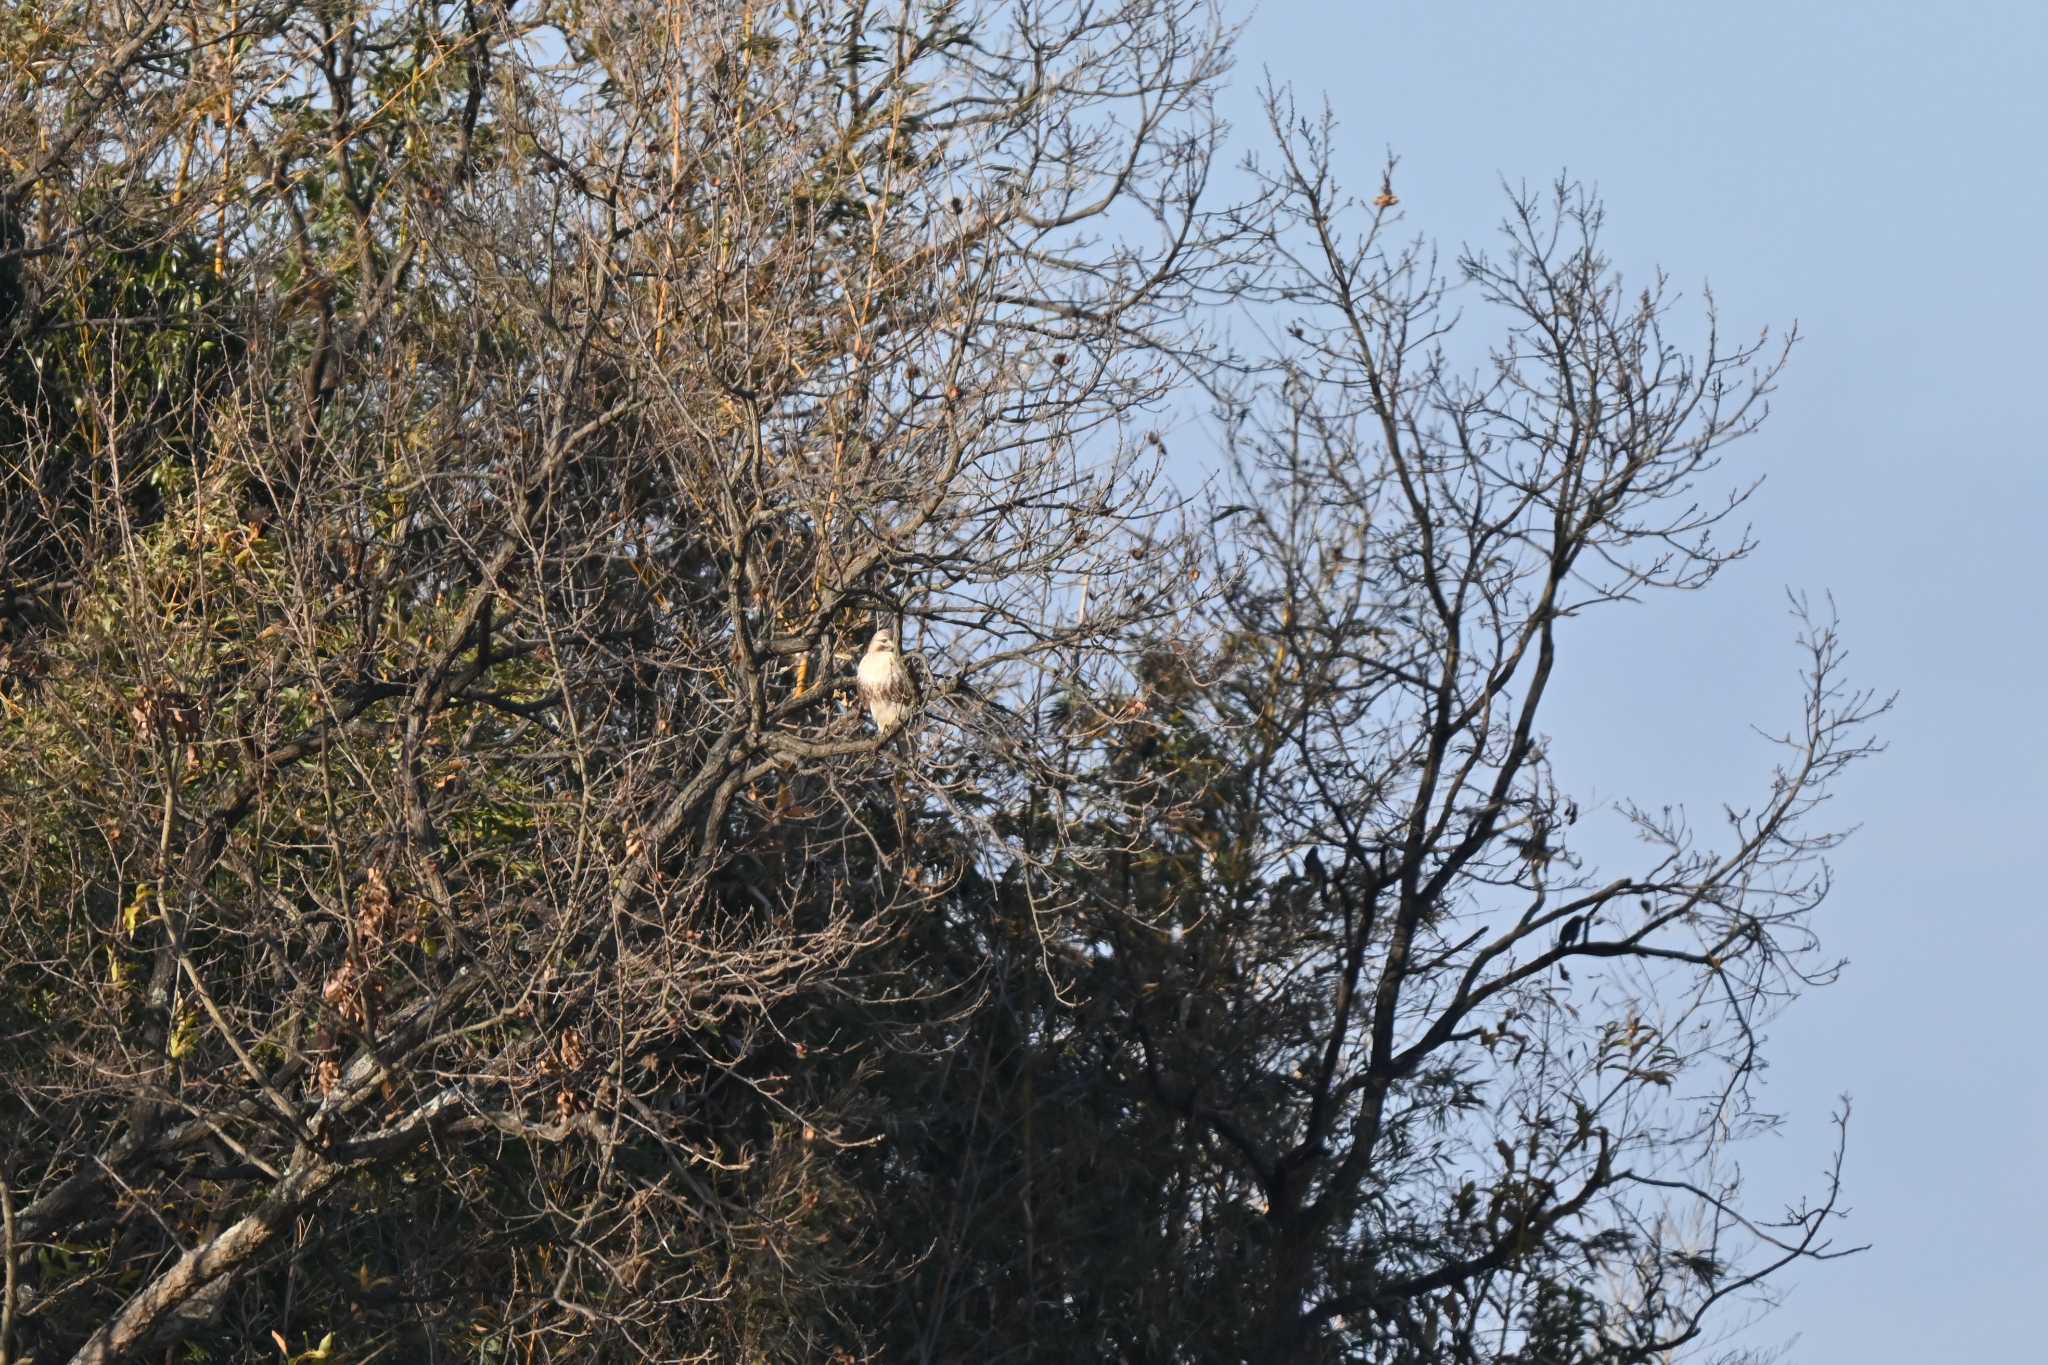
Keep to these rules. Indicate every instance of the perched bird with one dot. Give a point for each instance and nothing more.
(885, 684)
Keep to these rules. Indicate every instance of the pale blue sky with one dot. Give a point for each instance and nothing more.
(1875, 170)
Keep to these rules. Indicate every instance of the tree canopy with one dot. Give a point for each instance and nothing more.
(452, 905)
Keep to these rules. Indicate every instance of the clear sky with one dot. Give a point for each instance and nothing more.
(1875, 170)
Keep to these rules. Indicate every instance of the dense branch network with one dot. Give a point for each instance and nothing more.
(454, 454)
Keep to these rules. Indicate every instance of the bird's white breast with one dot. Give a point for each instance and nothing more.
(876, 671)
(883, 685)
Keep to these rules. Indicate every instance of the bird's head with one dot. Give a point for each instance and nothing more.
(882, 643)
